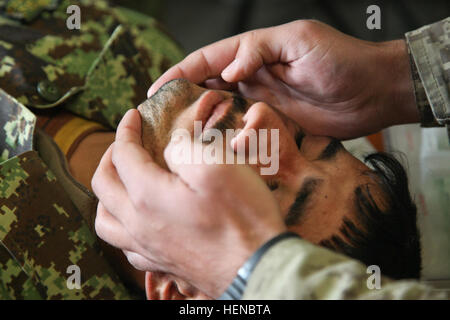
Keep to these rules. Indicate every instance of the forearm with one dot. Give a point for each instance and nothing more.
(296, 269)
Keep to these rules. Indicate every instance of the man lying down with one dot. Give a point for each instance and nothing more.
(326, 195)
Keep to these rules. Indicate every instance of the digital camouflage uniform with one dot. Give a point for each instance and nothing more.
(296, 269)
(97, 72)
(429, 49)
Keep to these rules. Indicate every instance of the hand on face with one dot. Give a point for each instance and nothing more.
(329, 83)
(304, 186)
(201, 189)
(192, 237)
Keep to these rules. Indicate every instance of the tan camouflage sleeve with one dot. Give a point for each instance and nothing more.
(429, 49)
(296, 269)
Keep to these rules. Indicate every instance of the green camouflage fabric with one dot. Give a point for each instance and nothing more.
(16, 132)
(97, 72)
(42, 232)
(27, 10)
(296, 269)
(429, 48)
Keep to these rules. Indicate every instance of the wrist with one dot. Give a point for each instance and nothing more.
(250, 242)
(237, 287)
(400, 105)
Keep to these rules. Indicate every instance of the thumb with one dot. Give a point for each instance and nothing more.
(184, 158)
(195, 167)
(256, 48)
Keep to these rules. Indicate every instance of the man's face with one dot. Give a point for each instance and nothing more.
(314, 184)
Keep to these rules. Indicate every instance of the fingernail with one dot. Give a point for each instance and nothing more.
(231, 67)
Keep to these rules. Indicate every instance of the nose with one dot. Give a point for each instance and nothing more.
(259, 116)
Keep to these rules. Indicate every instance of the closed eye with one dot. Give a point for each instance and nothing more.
(331, 150)
(297, 209)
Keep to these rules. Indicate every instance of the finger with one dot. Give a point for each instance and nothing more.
(205, 63)
(135, 167)
(220, 84)
(311, 118)
(109, 189)
(288, 74)
(255, 49)
(139, 262)
(130, 127)
(264, 86)
(191, 167)
(111, 230)
(234, 59)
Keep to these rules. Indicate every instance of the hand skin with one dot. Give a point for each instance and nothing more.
(225, 211)
(330, 83)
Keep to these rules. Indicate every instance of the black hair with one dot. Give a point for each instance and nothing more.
(388, 236)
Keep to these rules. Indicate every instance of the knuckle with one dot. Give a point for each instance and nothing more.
(309, 26)
(115, 153)
(250, 40)
(139, 199)
(137, 261)
(143, 200)
(254, 39)
(141, 238)
(252, 35)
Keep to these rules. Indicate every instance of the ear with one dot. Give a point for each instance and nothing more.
(159, 286)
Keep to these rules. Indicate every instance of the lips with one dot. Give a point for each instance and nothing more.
(219, 111)
(212, 107)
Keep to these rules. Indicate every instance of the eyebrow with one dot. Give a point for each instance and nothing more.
(297, 209)
(331, 150)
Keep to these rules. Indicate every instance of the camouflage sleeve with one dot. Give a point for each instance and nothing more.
(429, 49)
(296, 269)
(46, 225)
(97, 72)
